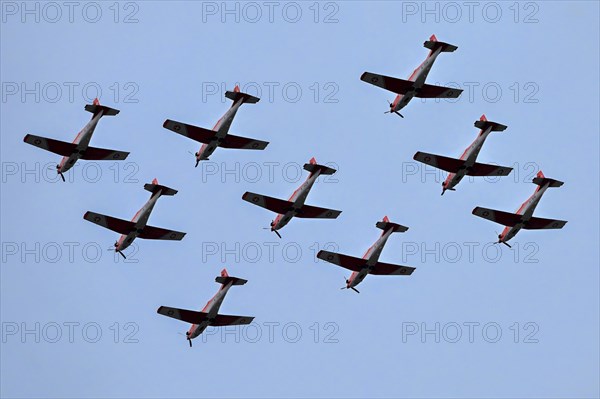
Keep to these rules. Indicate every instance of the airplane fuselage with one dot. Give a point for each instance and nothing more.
(221, 128)
(297, 198)
(212, 309)
(418, 76)
(140, 219)
(526, 210)
(470, 157)
(83, 141)
(372, 257)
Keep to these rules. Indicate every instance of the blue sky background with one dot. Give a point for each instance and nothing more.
(163, 65)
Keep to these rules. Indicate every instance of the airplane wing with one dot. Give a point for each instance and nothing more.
(193, 132)
(228, 320)
(540, 223)
(273, 204)
(437, 161)
(189, 316)
(345, 261)
(243, 143)
(56, 146)
(398, 86)
(482, 169)
(389, 269)
(432, 91)
(102, 154)
(156, 233)
(308, 211)
(109, 222)
(504, 218)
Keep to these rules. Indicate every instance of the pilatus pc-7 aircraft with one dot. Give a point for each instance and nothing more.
(415, 86)
(466, 165)
(219, 135)
(137, 227)
(209, 316)
(369, 263)
(294, 206)
(79, 148)
(523, 218)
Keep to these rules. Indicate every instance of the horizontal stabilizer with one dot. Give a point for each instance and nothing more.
(246, 98)
(433, 45)
(484, 124)
(541, 181)
(56, 146)
(386, 225)
(233, 280)
(155, 188)
(313, 167)
(96, 108)
(119, 225)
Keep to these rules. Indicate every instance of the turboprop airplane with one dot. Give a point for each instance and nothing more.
(523, 218)
(415, 86)
(79, 148)
(137, 227)
(466, 164)
(219, 135)
(294, 206)
(209, 316)
(369, 263)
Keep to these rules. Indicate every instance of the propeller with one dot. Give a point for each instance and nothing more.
(272, 229)
(187, 336)
(195, 154)
(115, 246)
(500, 241)
(60, 173)
(391, 111)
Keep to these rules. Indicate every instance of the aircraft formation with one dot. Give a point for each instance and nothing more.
(286, 210)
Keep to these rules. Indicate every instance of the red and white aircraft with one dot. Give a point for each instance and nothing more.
(415, 86)
(218, 136)
(79, 148)
(369, 263)
(466, 165)
(137, 227)
(209, 316)
(523, 218)
(294, 206)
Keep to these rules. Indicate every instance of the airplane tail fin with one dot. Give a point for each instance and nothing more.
(312, 166)
(385, 225)
(155, 187)
(224, 278)
(95, 109)
(433, 45)
(541, 180)
(236, 94)
(484, 124)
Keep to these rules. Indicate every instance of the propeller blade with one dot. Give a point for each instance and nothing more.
(357, 291)
(276, 232)
(62, 176)
(121, 253)
(399, 114)
(505, 243)
(190, 341)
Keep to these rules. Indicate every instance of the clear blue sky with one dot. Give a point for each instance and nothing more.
(533, 67)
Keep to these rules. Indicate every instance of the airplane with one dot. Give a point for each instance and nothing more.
(415, 86)
(466, 165)
(219, 135)
(137, 227)
(369, 263)
(79, 148)
(209, 316)
(294, 206)
(523, 218)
